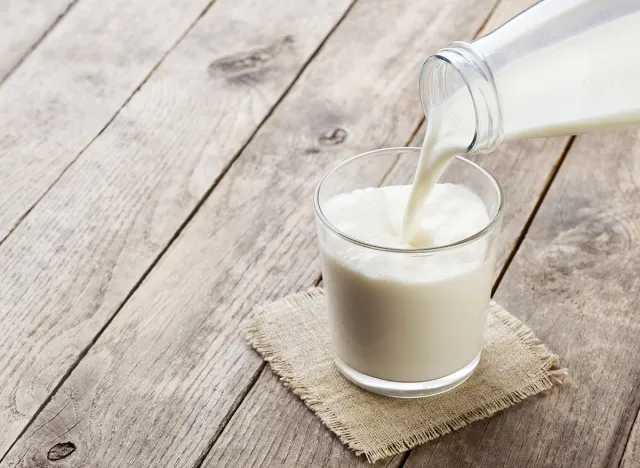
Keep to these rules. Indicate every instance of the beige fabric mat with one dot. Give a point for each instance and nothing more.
(292, 335)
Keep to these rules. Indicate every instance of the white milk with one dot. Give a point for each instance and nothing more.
(577, 85)
(405, 317)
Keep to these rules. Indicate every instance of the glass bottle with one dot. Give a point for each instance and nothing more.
(560, 67)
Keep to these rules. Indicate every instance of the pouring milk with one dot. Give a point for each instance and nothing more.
(561, 67)
(586, 59)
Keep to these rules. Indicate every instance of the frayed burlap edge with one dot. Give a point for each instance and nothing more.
(329, 418)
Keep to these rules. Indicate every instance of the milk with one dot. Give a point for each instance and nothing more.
(399, 316)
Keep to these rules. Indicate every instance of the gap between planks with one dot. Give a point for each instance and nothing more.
(38, 41)
(629, 440)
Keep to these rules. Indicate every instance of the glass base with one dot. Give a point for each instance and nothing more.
(408, 389)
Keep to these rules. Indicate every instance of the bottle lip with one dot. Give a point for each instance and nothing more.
(478, 77)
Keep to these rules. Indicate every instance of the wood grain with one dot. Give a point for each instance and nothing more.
(75, 258)
(574, 282)
(23, 23)
(163, 377)
(72, 84)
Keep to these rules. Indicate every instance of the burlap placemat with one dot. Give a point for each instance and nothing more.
(292, 335)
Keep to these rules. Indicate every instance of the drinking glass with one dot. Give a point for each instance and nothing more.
(413, 326)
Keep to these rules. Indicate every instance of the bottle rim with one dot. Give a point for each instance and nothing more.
(479, 80)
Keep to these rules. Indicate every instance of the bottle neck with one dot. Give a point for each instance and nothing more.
(478, 85)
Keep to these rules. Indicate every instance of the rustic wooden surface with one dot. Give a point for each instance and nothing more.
(157, 161)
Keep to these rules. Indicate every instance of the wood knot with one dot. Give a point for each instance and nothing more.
(334, 138)
(236, 66)
(60, 451)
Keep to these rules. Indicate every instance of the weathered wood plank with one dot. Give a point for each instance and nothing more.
(75, 258)
(165, 374)
(574, 281)
(23, 23)
(72, 84)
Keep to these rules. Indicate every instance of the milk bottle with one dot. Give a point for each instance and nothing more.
(559, 68)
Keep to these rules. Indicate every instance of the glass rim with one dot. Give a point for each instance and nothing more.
(484, 232)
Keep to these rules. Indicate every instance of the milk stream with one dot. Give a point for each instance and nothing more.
(438, 149)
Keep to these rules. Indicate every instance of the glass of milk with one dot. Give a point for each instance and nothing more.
(404, 321)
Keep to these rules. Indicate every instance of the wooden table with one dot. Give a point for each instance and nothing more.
(157, 160)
